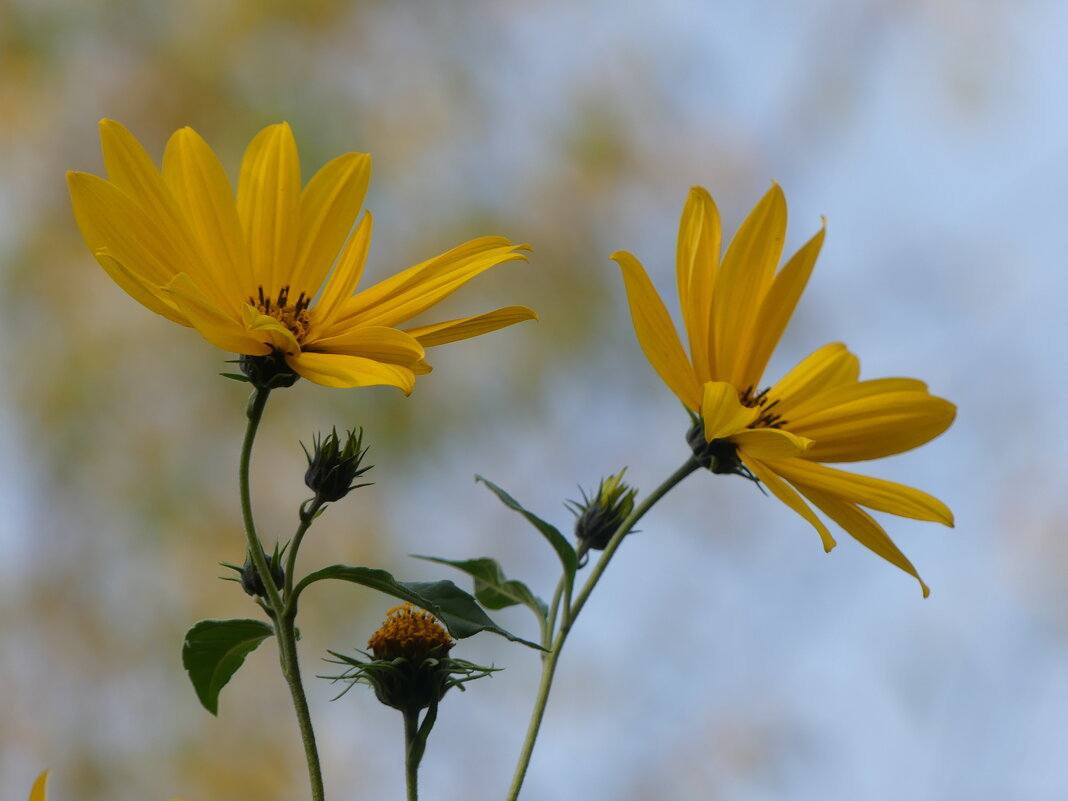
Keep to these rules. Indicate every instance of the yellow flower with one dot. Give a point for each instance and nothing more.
(735, 311)
(251, 274)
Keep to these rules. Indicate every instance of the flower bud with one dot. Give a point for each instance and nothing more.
(600, 516)
(250, 579)
(333, 466)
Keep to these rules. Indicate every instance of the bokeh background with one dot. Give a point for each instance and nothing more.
(725, 656)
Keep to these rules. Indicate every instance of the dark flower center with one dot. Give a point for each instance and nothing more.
(767, 418)
(293, 316)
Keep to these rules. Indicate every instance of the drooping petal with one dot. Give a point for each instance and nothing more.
(268, 203)
(874, 493)
(374, 342)
(37, 792)
(221, 330)
(744, 277)
(723, 414)
(268, 329)
(656, 333)
(454, 330)
(416, 289)
(203, 192)
(777, 308)
(785, 493)
(148, 295)
(770, 443)
(110, 220)
(864, 530)
(826, 368)
(346, 274)
(697, 259)
(337, 370)
(329, 206)
(875, 426)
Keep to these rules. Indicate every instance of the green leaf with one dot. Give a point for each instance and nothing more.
(451, 605)
(213, 651)
(559, 542)
(492, 588)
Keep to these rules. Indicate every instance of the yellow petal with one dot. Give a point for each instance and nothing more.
(744, 277)
(336, 370)
(697, 258)
(220, 330)
(37, 792)
(416, 289)
(864, 530)
(656, 333)
(110, 220)
(874, 493)
(770, 443)
(722, 412)
(785, 493)
(268, 203)
(845, 393)
(329, 206)
(875, 426)
(148, 295)
(373, 342)
(777, 308)
(826, 368)
(203, 192)
(468, 327)
(346, 274)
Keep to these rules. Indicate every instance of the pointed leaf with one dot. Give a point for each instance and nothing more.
(556, 539)
(492, 588)
(455, 608)
(213, 651)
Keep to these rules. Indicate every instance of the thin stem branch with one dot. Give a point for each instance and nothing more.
(412, 753)
(571, 611)
(282, 614)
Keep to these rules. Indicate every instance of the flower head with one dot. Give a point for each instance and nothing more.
(272, 272)
(409, 666)
(735, 310)
(599, 516)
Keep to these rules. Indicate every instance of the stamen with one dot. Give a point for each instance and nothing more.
(295, 318)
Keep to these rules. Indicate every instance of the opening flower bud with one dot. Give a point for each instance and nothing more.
(333, 465)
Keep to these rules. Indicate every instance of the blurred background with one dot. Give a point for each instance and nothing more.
(724, 656)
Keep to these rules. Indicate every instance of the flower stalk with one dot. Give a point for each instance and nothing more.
(282, 613)
(571, 610)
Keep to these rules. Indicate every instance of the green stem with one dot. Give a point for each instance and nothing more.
(307, 517)
(571, 611)
(283, 616)
(412, 753)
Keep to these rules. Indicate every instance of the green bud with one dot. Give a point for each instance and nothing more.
(250, 579)
(600, 516)
(333, 466)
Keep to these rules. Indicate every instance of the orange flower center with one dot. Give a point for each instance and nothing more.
(411, 633)
(293, 316)
(767, 417)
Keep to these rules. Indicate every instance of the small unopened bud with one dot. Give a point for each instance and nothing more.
(333, 465)
(600, 516)
(268, 372)
(252, 582)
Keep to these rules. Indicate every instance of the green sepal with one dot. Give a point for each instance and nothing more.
(235, 377)
(461, 615)
(493, 589)
(558, 541)
(213, 651)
